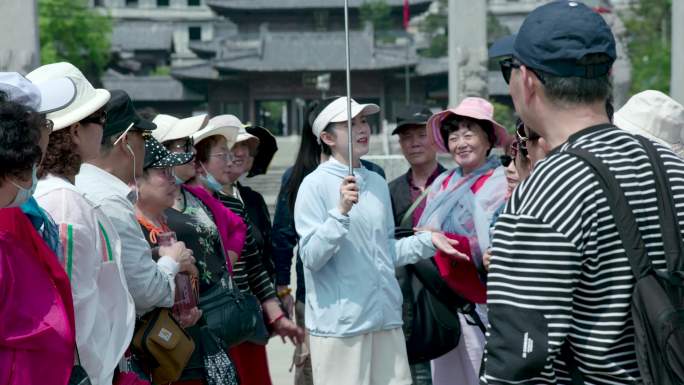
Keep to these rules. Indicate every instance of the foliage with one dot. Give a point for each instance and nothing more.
(377, 12)
(504, 115)
(649, 26)
(71, 31)
(436, 27)
(161, 71)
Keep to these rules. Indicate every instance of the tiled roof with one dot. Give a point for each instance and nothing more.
(151, 88)
(304, 51)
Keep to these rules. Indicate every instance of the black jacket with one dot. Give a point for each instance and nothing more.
(257, 212)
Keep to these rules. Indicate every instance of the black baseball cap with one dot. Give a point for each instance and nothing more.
(555, 36)
(120, 115)
(414, 115)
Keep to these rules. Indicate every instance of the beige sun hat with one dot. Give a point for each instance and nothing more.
(227, 126)
(164, 125)
(182, 128)
(87, 100)
(654, 115)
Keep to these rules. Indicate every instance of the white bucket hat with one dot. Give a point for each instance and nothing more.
(43, 97)
(184, 128)
(87, 99)
(654, 115)
(336, 112)
(227, 126)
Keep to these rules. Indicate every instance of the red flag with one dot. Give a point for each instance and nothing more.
(406, 14)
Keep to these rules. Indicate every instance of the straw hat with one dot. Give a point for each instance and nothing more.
(87, 99)
(182, 128)
(227, 126)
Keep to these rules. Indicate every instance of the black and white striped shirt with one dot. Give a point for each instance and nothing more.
(250, 274)
(559, 271)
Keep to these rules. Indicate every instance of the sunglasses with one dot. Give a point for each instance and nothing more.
(506, 160)
(99, 118)
(507, 66)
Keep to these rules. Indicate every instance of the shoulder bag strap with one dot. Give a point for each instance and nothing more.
(622, 213)
(406, 219)
(669, 224)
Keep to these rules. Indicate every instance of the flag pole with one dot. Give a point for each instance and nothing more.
(349, 116)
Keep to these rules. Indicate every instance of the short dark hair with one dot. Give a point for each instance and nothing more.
(577, 90)
(204, 147)
(61, 158)
(20, 132)
(451, 125)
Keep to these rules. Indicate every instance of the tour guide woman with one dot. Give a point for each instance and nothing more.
(347, 246)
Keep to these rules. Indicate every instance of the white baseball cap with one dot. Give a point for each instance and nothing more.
(87, 99)
(654, 115)
(43, 97)
(227, 126)
(336, 112)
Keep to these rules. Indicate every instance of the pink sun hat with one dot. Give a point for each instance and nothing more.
(471, 107)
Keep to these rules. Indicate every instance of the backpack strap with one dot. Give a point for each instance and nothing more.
(622, 213)
(669, 224)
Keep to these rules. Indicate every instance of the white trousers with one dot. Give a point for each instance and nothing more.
(377, 358)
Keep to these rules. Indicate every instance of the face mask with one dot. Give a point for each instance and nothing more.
(24, 194)
(210, 181)
(179, 181)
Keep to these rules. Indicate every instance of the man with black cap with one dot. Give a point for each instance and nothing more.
(107, 181)
(560, 285)
(408, 193)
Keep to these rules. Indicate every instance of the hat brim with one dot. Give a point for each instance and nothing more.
(228, 132)
(503, 47)
(268, 146)
(621, 122)
(88, 108)
(407, 124)
(364, 109)
(144, 125)
(435, 127)
(56, 94)
(173, 160)
(186, 128)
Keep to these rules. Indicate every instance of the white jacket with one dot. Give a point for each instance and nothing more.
(104, 309)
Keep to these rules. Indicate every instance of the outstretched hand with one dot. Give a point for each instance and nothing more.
(447, 246)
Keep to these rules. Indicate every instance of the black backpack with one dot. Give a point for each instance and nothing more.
(658, 297)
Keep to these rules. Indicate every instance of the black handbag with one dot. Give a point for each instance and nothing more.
(78, 374)
(231, 315)
(434, 328)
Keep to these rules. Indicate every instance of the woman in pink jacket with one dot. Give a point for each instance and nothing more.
(37, 339)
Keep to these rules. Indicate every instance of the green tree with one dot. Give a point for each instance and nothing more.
(71, 31)
(505, 115)
(649, 26)
(436, 26)
(379, 14)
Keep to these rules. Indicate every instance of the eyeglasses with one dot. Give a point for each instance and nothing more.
(507, 66)
(146, 135)
(224, 156)
(99, 118)
(506, 160)
(187, 146)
